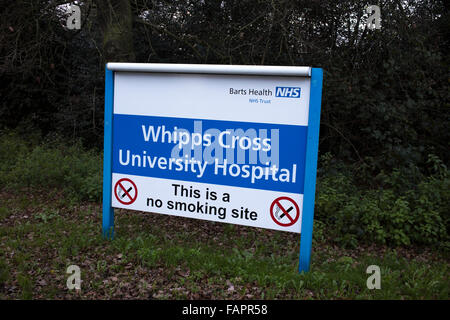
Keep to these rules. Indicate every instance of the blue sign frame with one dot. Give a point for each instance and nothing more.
(108, 210)
(312, 150)
(312, 147)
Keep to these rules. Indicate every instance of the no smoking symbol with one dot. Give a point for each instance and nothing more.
(125, 191)
(284, 211)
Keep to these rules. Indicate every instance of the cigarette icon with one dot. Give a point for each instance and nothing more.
(277, 209)
(123, 195)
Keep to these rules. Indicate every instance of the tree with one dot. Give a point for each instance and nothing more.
(116, 22)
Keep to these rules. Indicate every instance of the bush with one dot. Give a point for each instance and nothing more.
(11, 147)
(394, 213)
(51, 165)
(430, 209)
(400, 208)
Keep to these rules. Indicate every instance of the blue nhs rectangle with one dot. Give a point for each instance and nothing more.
(287, 92)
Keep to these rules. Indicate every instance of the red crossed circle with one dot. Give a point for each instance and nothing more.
(127, 194)
(292, 220)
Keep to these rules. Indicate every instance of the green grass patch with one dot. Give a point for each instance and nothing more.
(50, 165)
(153, 256)
(50, 219)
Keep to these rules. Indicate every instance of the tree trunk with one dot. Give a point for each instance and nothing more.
(116, 21)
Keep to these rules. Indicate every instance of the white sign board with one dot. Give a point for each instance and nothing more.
(217, 146)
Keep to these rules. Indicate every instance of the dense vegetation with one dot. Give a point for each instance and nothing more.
(398, 213)
(384, 135)
(48, 223)
(383, 188)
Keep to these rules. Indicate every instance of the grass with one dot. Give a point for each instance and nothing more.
(163, 257)
(50, 218)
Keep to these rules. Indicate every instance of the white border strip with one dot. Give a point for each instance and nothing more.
(211, 69)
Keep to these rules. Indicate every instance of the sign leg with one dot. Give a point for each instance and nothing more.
(108, 211)
(312, 148)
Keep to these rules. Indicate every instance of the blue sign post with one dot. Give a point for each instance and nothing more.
(312, 148)
(233, 144)
(108, 211)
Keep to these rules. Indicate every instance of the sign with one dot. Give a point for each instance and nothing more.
(284, 211)
(125, 191)
(232, 144)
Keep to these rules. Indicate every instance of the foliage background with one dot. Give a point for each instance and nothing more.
(384, 135)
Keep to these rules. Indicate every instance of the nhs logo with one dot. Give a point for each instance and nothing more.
(287, 92)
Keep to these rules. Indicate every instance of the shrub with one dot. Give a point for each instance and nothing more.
(11, 147)
(396, 209)
(51, 165)
(395, 213)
